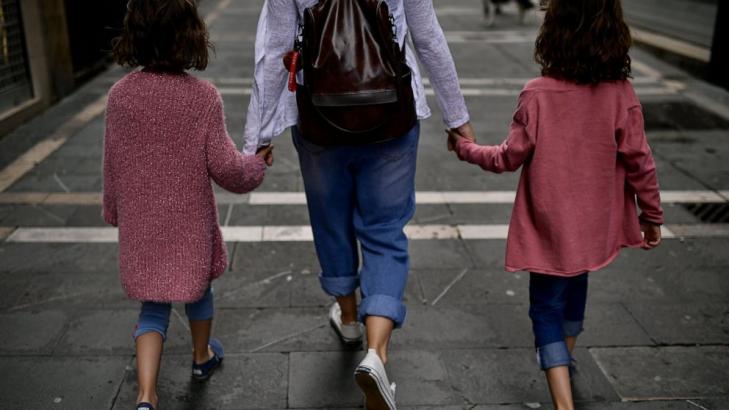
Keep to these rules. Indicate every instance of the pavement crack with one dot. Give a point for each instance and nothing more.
(287, 337)
(121, 383)
(181, 319)
(640, 324)
(449, 286)
(48, 213)
(262, 282)
(693, 403)
(60, 182)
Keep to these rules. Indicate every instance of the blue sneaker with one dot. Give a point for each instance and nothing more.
(145, 406)
(205, 370)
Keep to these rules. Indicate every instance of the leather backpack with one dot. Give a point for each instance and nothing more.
(357, 85)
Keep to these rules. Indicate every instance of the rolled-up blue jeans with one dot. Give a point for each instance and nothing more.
(362, 195)
(155, 317)
(557, 310)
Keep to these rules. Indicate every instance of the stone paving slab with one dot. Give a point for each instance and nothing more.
(444, 255)
(31, 332)
(255, 381)
(325, 379)
(90, 291)
(663, 284)
(275, 256)
(502, 376)
(61, 382)
(58, 258)
(40, 215)
(699, 323)
(646, 373)
(110, 332)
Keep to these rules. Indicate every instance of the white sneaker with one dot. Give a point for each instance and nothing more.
(350, 334)
(372, 379)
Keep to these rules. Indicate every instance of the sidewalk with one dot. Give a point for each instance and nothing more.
(657, 332)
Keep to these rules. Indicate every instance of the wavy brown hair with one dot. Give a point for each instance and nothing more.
(164, 35)
(584, 41)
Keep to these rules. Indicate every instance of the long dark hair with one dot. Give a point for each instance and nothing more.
(164, 35)
(584, 41)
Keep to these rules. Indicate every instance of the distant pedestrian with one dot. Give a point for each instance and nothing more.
(165, 140)
(355, 115)
(492, 8)
(578, 135)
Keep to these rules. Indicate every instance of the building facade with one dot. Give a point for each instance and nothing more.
(48, 48)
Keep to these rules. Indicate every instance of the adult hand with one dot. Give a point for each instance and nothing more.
(651, 235)
(464, 131)
(266, 154)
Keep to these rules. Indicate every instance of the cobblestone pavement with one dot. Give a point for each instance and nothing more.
(658, 323)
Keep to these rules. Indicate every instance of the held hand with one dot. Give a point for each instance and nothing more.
(453, 138)
(266, 154)
(651, 235)
(466, 131)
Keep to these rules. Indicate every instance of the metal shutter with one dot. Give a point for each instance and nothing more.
(15, 80)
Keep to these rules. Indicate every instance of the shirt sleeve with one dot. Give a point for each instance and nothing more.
(228, 167)
(277, 28)
(432, 48)
(634, 152)
(513, 152)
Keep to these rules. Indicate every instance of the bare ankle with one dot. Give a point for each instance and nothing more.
(382, 353)
(202, 356)
(348, 306)
(148, 397)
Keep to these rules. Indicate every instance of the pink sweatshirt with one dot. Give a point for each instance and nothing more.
(585, 159)
(165, 140)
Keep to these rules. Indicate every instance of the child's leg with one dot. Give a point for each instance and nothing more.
(200, 314)
(574, 315)
(149, 337)
(547, 307)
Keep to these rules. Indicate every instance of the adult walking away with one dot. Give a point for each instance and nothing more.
(359, 174)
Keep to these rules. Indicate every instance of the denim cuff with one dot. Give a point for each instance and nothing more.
(140, 331)
(203, 309)
(572, 328)
(338, 286)
(383, 306)
(553, 355)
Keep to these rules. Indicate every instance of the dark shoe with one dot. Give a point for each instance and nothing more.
(145, 406)
(205, 370)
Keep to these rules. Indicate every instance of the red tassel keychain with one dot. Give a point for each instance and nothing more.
(293, 68)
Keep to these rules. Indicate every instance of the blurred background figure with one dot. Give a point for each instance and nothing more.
(492, 8)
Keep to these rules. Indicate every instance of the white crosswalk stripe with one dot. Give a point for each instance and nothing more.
(303, 233)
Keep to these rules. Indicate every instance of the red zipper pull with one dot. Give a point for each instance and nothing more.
(293, 68)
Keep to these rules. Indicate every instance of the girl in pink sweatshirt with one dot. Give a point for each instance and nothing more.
(165, 140)
(579, 138)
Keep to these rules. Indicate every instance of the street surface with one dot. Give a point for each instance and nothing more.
(657, 332)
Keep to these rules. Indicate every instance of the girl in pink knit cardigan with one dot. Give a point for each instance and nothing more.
(165, 140)
(579, 138)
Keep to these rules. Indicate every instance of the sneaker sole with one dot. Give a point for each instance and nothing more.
(374, 397)
(344, 340)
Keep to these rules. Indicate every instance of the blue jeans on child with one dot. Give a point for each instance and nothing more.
(557, 310)
(362, 194)
(155, 317)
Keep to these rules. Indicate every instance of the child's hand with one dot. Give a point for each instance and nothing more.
(464, 131)
(651, 235)
(266, 154)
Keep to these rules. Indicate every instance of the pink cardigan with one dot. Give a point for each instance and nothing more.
(165, 140)
(585, 159)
